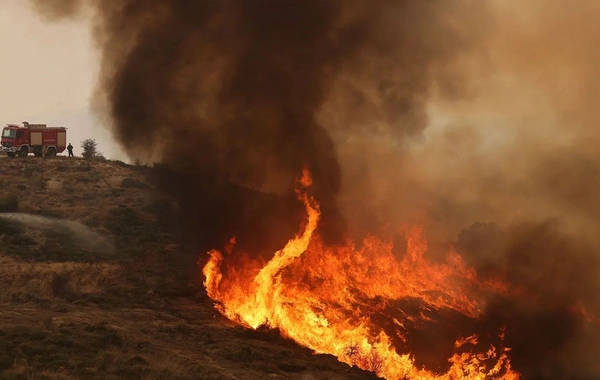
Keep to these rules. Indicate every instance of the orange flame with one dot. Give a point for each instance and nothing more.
(313, 294)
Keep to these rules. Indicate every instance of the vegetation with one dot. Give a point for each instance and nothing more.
(132, 183)
(93, 287)
(90, 149)
(9, 203)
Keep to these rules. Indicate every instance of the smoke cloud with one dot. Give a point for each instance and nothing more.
(477, 119)
(233, 89)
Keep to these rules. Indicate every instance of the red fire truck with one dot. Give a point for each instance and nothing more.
(33, 138)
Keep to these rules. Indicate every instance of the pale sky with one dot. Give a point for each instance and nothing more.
(48, 74)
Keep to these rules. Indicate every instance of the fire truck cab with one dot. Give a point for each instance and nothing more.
(17, 140)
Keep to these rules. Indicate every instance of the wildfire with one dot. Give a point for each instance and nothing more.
(330, 299)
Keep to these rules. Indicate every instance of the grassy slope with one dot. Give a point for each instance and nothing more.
(71, 309)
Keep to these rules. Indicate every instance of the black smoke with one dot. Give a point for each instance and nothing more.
(548, 325)
(220, 91)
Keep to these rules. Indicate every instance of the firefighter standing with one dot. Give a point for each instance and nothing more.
(70, 149)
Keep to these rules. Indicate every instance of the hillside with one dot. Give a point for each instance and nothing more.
(94, 286)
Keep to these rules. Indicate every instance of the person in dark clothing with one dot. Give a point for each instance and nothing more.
(70, 149)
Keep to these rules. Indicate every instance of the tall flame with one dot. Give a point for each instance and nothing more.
(324, 298)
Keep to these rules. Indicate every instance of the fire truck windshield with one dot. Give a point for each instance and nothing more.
(9, 133)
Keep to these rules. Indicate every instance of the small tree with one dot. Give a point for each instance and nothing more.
(90, 148)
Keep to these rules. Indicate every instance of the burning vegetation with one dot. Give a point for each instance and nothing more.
(468, 126)
(362, 305)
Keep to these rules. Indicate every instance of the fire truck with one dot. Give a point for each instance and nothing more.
(38, 139)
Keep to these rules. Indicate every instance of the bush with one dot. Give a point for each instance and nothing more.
(40, 184)
(91, 177)
(9, 203)
(29, 171)
(10, 227)
(85, 167)
(60, 284)
(133, 184)
(18, 239)
(90, 149)
(132, 231)
(120, 163)
(50, 213)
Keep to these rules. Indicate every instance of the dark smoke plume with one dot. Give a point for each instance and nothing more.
(443, 112)
(232, 89)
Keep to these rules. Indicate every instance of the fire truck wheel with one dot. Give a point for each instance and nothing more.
(24, 152)
(51, 152)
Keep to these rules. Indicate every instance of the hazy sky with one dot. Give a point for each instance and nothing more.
(48, 73)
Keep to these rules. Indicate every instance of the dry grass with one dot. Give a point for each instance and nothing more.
(45, 281)
(71, 187)
(132, 315)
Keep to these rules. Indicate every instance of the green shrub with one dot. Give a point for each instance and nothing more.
(90, 148)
